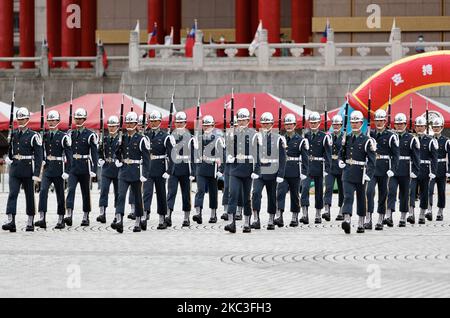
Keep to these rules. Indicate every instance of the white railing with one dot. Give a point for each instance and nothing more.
(269, 55)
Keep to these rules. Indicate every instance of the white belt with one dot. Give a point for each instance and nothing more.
(383, 157)
(404, 158)
(293, 159)
(152, 157)
(210, 159)
(316, 159)
(267, 161)
(109, 160)
(182, 158)
(52, 158)
(244, 157)
(131, 162)
(425, 162)
(442, 160)
(20, 157)
(355, 163)
(80, 157)
(335, 157)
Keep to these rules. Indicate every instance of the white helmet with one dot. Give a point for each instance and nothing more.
(235, 122)
(290, 119)
(400, 118)
(356, 117)
(438, 122)
(267, 118)
(113, 121)
(337, 120)
(155, 116)
(180, 117)
(53, 115)
(141, 120)
(80, 113)
(131, 117)
(243, 114)
(421, 121)
(314, 117)
(208, 121)
(380, 114)
(22, 113)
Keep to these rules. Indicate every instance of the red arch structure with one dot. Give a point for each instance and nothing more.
(403, 77)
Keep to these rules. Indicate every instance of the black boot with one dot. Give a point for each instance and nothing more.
(131, 216)
(168, 221)
(119, 227)
(144, 225)
(411, 220)
(429, 216)
(340, 218)
(213, 220)
(368, 225)
(198, 218)
(402, 224)
(279, 221)
(68, 221)
(231, 227)
(379, 227)
(304, 220)
(389, 222)
(85, 223)
(346, 227)
(41, 224)
(186, 223)
(101, 219)
(224, 217)
(11, 227)
(137, 229)
(256, 225)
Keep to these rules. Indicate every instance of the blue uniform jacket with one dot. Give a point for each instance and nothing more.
(428, 156)
(335, 149)
(28, 143)
(319, 153)
(387, 152)
(110, 144)
(161, 144)
(84, 143)
(443, 156)
(58, 146)
(296, 156)
(134, 148)
(409, 160)
(271, 159)
(181, 157)
(209, 154)
(241, 145)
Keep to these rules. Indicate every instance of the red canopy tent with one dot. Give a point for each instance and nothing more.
(91, 103)
(264, 103)
(5, 110)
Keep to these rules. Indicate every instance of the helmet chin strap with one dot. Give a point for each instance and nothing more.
(114, 132)
(156, 128)
(54, 127)
(24, 125)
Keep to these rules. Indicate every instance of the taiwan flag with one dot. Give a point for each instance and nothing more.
(190, 41)
(324, 38)
(152, 40)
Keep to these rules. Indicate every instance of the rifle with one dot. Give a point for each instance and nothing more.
(344, 137)
(70, 111)
(102, 128)
(411, 115)
(11, 115)
(37, 185)
(280, 114)
(198, 113)
(390, 107)
(254, 112)
(427, 117)
(232, 123)
(369, 112)
(144, 113)
(326, 118)
(225, 117)
(172, 107)
(304, 113)
(121, 121)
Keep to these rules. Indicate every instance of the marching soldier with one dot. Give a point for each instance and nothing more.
(131, 216)
(25, 157)
(427, 171)
(132, 159)
(180, 169)
(270, 168)
(443, 170)
(83, 168)
(318, 167)
(357, 158)
(295, 171)
(386, 163)
(226, 182)
(335, 175)
(110, 172)
(208, 153)
(57, 150)
(161, 144)
(408, 167)
(241, 151)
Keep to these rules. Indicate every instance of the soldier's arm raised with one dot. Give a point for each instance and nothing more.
(93, 142)
(36, 143)
(67, 146)
(371, 158)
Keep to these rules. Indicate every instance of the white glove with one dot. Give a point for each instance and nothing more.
(325, 174)
(92, 174)
(166, 175)
(8, 161)
(192, 178)
(342, 165)
(230, 159)
(432, 176)
(118, 164)
(101, 163)
(43, 163)
(255, 176)
(37, 179)
(413, 175)
(219, 174)
(390, 173)
(143, 179)
(448, 175)
(303, 177)
(65, 176)
(366, 177)
(280, 180)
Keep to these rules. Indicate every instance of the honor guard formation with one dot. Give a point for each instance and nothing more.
(135, 155)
